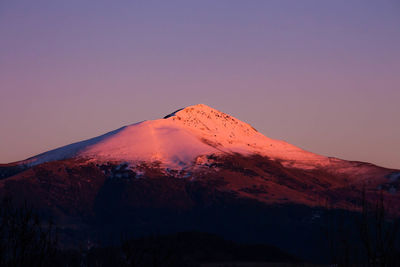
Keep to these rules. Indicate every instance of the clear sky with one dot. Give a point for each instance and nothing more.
(322, 75)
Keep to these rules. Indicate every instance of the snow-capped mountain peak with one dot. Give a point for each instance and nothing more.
(211, 121)
(178, 139)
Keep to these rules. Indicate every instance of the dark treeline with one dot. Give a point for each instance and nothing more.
(368, 238)
(27, 239)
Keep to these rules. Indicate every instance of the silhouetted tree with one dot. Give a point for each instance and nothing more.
(367, 238)
(24, 239)
(379, 233)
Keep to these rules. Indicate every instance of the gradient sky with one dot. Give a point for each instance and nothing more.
(322, 75)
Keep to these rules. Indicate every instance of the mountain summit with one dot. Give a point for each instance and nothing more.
(179, 139)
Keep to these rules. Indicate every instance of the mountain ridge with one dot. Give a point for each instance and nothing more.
(178, 139)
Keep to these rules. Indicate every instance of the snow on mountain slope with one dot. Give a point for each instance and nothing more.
(178, 139)
(68, 151)
(229, 134)
(159, 140)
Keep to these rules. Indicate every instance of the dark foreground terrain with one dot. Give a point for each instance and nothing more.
(345, 238)
(270, 212)
(26, 240)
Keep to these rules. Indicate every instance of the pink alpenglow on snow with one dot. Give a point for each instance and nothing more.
(179, 139)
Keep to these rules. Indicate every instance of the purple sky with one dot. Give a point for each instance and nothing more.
(322, 75)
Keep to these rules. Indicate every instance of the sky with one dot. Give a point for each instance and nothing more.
(322, 75)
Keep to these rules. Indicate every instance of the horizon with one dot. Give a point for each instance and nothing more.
(321, 76)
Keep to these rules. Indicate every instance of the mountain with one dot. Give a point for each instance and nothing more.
(195, 169)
